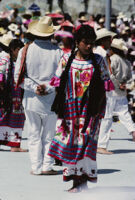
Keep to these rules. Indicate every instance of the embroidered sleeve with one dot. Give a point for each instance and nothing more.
(105, 76)
(55, 81)
(4, 64)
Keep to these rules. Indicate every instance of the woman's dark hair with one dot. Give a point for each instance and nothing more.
(96, 89)
(4, 48)
(85, 32)
(14, 44)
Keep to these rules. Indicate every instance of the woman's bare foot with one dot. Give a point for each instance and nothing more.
(18, 149)
(76, 187)
(84, 186)
(133, 135)
(74, 190)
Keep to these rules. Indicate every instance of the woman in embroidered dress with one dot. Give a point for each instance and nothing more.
(11, 111)
(80, 111)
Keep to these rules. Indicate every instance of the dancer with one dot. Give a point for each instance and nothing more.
(79, 103)
(11, 110)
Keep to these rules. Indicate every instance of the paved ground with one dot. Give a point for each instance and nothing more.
(116, 174)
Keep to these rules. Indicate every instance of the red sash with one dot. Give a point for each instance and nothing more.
(22, 66)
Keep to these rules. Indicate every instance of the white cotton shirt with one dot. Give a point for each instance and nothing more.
(41, 63)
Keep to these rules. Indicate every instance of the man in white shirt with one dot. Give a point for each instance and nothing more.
(41, 63)
(103, 43)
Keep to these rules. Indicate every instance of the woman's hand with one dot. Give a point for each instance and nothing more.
(1, 86)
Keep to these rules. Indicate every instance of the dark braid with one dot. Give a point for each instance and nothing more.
(96, 94)
(58, 105)
(9, 85)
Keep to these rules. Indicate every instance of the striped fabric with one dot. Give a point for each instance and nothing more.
(70, 145)
(11, 124)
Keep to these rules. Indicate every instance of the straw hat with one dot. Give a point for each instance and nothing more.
(43, 27)
(13, 27)
(119, 44)
(120, 15)
(83, 18)
(2, 31)
(103, 32)
(6, 39)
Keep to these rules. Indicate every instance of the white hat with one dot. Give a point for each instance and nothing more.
(120, 15)
(13, 27)
(101, 20)
(113, 25)
(119, 44)
(43, 27)
(6, 39)
(103, 32)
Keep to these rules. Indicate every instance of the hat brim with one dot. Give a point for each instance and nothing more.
(32, 29)
(118, 47)
(109, 34)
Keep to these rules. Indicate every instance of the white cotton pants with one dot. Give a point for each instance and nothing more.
(41, 130)
(114, 104)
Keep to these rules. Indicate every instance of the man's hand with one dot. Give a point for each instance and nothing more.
(41, 90)
(122, 86)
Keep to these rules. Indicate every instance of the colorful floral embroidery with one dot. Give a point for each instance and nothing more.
(79, 89)
(85, 77)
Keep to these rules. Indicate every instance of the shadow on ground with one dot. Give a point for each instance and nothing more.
(107, 171)
(119, 151)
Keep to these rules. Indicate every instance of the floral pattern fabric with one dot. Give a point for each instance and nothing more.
(11, 125)
(77, 149)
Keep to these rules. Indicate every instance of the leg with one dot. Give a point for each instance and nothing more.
(106, 123)
(50, 2)
(104, 135)
(76, 186)
(124, 116)
(18, 149)
(48, 132)
(84, 185)
(34, 141)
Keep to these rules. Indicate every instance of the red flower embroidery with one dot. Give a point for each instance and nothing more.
(79, 89)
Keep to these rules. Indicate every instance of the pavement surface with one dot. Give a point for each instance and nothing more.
(116, 174)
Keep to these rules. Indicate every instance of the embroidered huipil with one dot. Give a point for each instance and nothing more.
(11, 124)
(75, 149)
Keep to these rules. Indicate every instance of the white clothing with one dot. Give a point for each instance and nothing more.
(116, 101)
(41, 132)
(41, 63)
(120, 105)
(102, 52)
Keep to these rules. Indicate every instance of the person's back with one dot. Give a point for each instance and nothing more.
(41, 63)
(121, 73)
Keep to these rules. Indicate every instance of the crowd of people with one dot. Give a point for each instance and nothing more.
(63, 79)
